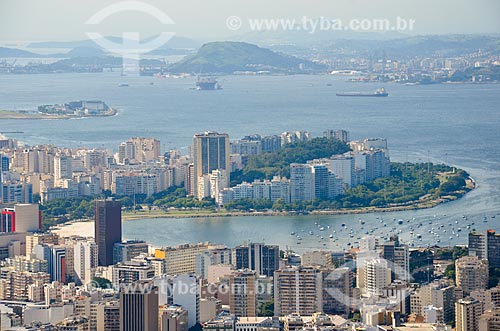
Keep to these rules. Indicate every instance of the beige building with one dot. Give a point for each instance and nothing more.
(105, 316)
(146, 149)
(173, 318)
(209, 309)
(320, 258)
(298, 290)
(182, 259)
(489, 298)
(243, 293)
(490, 320)
(15, 284)
(467, 313)
(471, 273)
(40, 238)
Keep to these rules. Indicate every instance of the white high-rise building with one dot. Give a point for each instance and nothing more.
(85, 261)
(343, 167)
(218, 182)
(301, 182)
(63, 167)
(186, 293)
(377, 275)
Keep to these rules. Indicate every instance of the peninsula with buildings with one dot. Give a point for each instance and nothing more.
(73, 109)
(288, 173)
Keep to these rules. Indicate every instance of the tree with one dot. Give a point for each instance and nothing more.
(100, 282)
(450, 271)
(266, 309)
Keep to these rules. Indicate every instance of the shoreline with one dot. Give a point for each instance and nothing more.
(413, 205)
(427, 204)
(14, 115)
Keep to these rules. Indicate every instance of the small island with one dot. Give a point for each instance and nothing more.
(73, 109)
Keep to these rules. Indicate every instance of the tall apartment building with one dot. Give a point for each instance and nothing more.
(471, 273)
(271, 144)
(16, 192)
(343, 167)
(321, 181)
(210, 152)
(108, 229)
(467, 314)
(264, 259)
(139, 307)
(85, 261)
(337, 292)
(218, 256)
(301, 182)
(376, 276)
(186, 293)
(399, 256)
(126, 152)
(486, 246)
(63, 167)
(298, 290)
(56, 257)
(243, 293)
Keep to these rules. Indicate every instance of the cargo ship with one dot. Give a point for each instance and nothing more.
(207, 84)
(378, 93)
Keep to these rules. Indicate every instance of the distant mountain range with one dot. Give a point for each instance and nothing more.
(282, 56)
(16, 53)
(431, 45)
(304, 38)
(175, 42)
(230, 56)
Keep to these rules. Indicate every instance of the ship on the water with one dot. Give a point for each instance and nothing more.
(208, 84)
(378, 93)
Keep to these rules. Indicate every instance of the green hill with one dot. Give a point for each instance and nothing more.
(228, 57)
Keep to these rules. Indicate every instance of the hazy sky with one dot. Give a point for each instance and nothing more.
(29, 20)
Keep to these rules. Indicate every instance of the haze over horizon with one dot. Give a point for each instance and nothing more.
(54, 20)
